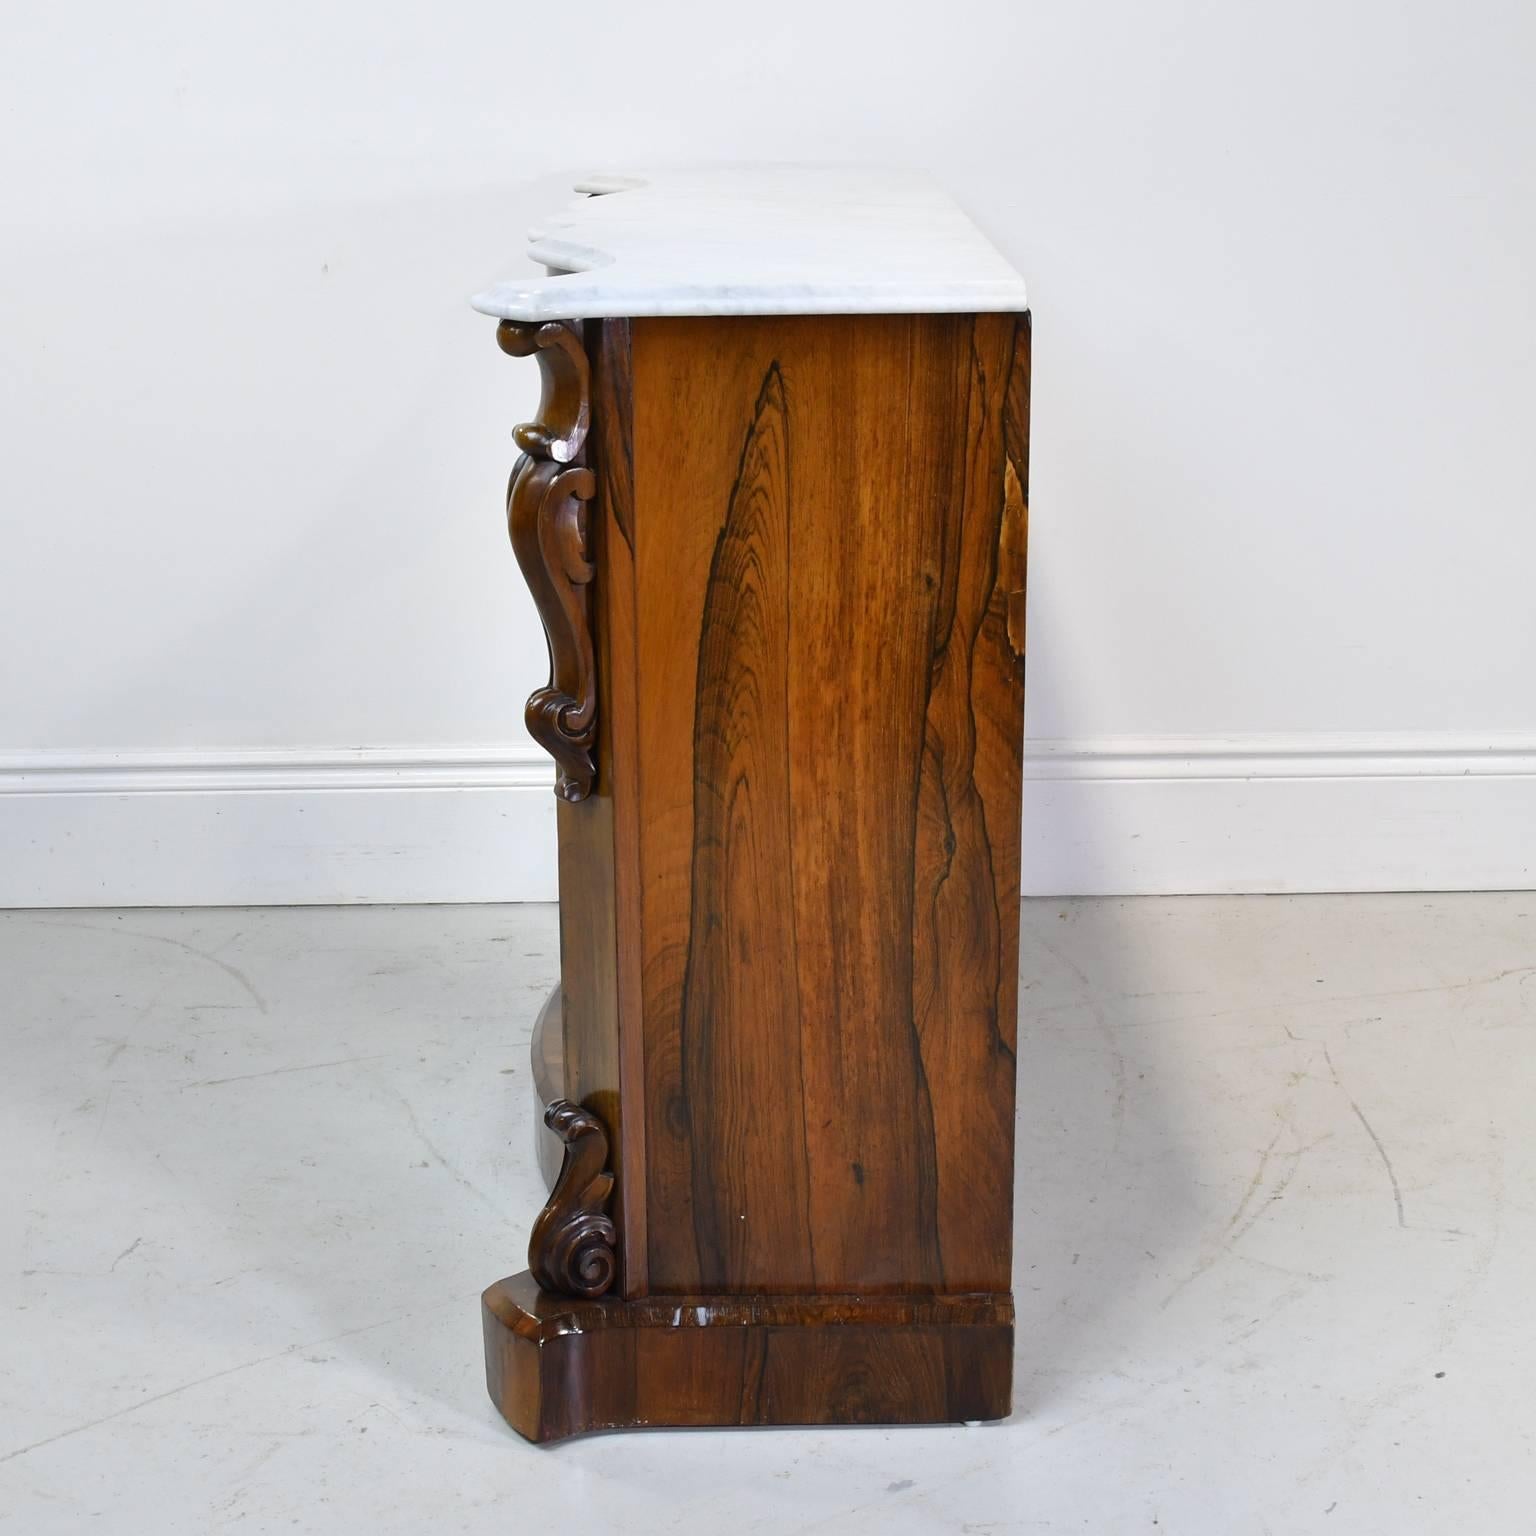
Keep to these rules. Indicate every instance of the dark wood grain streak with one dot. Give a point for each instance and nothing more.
(740, 1024)
(1014, 545)
(965, 885)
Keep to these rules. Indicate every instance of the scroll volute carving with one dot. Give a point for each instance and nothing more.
(573, 1248)
(547, 519)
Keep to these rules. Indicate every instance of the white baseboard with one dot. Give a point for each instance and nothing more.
(276, 828)
(1105, 816)
(1311, 813)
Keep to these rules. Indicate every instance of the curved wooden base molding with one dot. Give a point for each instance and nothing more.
(558, 1366)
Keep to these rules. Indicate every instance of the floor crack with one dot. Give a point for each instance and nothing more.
(1386, 1161)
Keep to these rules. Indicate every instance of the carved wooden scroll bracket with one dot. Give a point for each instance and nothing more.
(573, 1249)
(547, 519)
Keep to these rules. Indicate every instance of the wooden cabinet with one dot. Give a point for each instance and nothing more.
(774, 512)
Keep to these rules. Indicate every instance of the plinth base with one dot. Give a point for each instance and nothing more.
(556, 1366)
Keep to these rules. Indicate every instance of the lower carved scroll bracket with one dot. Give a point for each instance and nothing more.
(574, 1248)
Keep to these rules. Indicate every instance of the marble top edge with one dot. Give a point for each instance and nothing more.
(757, 239)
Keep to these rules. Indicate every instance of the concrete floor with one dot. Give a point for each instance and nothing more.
(1276, 1234)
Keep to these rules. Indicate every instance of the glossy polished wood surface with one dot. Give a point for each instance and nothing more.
(828, 568)
(557, 1367)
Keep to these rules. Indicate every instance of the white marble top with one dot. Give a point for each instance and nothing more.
(758, 240)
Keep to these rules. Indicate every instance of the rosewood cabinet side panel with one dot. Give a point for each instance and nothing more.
(827, 532)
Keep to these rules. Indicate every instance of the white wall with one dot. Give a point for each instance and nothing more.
(260, 633)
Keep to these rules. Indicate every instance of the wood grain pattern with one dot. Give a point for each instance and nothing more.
(556, 1367)
(829, 736)
(739, 1023)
